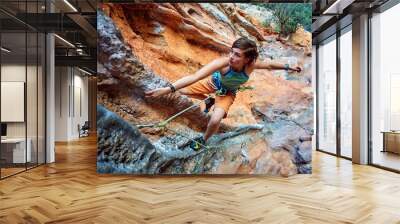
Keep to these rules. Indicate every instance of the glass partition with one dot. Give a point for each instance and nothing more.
(346, 92)
(22, 88)
(13, 105)
(385, 89)
(327, 95)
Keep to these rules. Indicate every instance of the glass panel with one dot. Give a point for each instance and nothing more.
(385, 89)
(327, 96)
(41, 98)
(314, 87)
(13, 87)
(31, 83)
(23, 87)
(31, 98)
(346, 94)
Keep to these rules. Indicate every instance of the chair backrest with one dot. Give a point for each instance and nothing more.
(86, 125)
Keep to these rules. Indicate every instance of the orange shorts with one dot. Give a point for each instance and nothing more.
(202, 88)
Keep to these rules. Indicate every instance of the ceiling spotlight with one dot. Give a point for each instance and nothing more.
(70, 5)
(5, 50)
(86, 72)
(79, 51)
(64, 40)
(338, 6)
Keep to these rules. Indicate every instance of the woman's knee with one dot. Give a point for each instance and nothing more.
(214, 122)
(217, 116)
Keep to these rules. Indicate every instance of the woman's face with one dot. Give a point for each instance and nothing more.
(237, 58)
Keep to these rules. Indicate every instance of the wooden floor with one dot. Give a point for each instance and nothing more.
(70, 191)
(9, 171)
(387, 159)
(5, 172)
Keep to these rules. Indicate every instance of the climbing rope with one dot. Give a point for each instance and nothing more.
(163, 124)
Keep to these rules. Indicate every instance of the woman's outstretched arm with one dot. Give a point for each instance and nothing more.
(268, 64)
(202, 73)
(205, 71)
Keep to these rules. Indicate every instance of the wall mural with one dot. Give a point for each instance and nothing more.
(204, 88)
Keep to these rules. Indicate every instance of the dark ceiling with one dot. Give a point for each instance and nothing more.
(331, 15)
(72, 20)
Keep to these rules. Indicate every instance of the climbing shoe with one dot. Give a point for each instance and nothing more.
(209, 103)
(197, 143)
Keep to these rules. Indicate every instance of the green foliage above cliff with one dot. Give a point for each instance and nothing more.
(290, 15)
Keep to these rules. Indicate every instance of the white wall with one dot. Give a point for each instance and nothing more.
(61, 103)
(80, 109)
(13, 73)
(71, 94)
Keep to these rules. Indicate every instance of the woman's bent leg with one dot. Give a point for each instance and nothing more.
(214, 122)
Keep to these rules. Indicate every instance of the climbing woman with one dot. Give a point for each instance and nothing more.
(225, 75)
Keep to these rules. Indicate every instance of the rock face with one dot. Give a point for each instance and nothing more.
(115, 139)
(123, 79)
(144, 46)
(123, 149)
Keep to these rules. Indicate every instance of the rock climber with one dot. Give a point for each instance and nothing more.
(225, 75)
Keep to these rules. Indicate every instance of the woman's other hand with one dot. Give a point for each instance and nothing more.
(296, 69)
(157, 92)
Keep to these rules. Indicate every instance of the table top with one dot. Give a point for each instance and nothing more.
(391, 132)
(13, 140)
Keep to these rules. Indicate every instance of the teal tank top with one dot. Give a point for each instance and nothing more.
(231, 81)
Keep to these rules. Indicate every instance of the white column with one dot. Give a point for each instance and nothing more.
(360, 90)
(50, 100)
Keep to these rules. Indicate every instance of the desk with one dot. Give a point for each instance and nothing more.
(15, 148)
(391, 141)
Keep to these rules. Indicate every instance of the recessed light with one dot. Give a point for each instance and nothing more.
(338, 6)
(64, 40)
(88, 73)
(70, 5)
(5, 50)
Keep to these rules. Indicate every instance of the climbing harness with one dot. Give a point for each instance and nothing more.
(209, 103)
